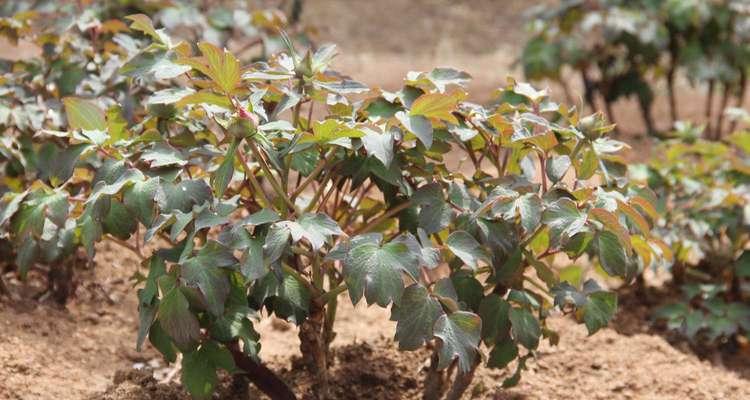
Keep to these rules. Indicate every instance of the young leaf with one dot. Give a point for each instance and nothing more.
(85, 115)
(223, 175)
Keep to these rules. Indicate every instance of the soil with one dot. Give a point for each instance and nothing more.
(86, 350)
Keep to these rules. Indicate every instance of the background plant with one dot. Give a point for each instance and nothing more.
(703, 192)
(625, 48)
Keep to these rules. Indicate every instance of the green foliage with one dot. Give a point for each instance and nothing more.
(704, 198)
(61, 110)
(623, 48)
(253, 203)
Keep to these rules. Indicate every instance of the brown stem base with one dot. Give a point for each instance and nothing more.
(434, 385)
(461, 383)
(314, 348)
(261, 376)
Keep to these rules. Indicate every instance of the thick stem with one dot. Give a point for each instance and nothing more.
(648, 119)
(610, 115)
(709, 109)
(315, 350)
(723, 107)
(434, 384)
(740, 97)
(672, 75)
(588, 90)
(261, 376)
(461, 383)
(5, 290)
(328, 333)
(566, 91)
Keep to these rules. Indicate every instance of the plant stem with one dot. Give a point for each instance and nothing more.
(722, 108)
(322, 165)
(709, 108)
(434, 385)
(461, 382)
(126, 245)
(274, 183)
(740, 96)
(253, 181)
(314, 349)
(388, 214)
(333, 293)
(261, 376)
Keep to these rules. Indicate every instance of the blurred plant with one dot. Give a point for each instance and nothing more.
(704, 195)
(621, 48)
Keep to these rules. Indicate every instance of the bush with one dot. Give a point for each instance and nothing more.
(704, 199)
(623, 48)
(250, 202)
(85, 55)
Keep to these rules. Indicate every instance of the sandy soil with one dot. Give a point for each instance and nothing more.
(49, 353)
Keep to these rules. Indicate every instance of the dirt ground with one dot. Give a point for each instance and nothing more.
(77, 353)
(86, 351)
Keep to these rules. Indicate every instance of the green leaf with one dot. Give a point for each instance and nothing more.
(223, 176)
(530, 210)
(416, 314)
(468, 289)
(495, 321)
(199, 368)
(435, 217)
(418, 125)
(465, 247)
(162, 342)
(317, 228)
(154, 65)
(264, 216)
(742, 265)
(177, 320)
(142, 23)
(332, 130)
(119, 222)
(557, 167)
(612, 255)
(116, 125)
(182, 195)
(162, 155)
(379, 145)
(564, 220)
(84, 114)
(459, 333)
(140, 200)
(169, 96)
(437, 105)
(525, 327)
(221, 66)
(376, 270)
(252, 265)
(599, 310)
(204, 271)
(502, 354)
